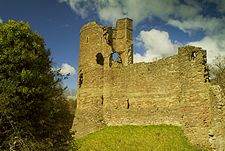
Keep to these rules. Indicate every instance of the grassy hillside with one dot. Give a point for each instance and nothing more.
(136, 138)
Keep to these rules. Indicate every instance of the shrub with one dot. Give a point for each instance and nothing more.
(32, 106)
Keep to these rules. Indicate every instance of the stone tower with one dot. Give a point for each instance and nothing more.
(123, 40)
(97, 46)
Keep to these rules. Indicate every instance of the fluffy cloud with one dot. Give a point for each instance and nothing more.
(189, 9)
(81, 7)
(135, 9)
(156, 43)
(186, 15)
(189, 16)
(67, 69)
(110, 13)
(215, 45)
(210, 25)
(111, 10)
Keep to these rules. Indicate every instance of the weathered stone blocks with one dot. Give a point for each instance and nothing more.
(173, 90)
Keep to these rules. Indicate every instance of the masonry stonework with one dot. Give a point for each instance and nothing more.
(173, 90)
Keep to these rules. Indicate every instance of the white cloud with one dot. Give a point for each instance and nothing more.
(67, 69)
(111, 10)
(81, 7)
(210, 25)
(139, 10)
(110, 14)
(188, 10)
(215, 45)
(185, 15)
(156, 43)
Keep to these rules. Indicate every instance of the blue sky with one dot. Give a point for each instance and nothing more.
(160, 26)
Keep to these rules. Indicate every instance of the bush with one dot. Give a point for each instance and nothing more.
(32, 107)
(217, 71)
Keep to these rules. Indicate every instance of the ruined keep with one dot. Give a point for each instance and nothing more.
(173, 90)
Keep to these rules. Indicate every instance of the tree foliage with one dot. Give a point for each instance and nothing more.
(32, 106)
(217, 71)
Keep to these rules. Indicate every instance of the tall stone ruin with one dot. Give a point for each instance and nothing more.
(173, 90)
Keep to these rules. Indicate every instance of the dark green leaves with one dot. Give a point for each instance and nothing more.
(31, 100)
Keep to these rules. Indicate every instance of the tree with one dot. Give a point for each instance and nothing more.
(32, 106)
(217, 71)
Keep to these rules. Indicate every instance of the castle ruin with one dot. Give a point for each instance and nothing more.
(173, 90)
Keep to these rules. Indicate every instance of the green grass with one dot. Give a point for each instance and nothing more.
(136, 138)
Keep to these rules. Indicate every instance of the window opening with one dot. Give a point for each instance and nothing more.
(80, 80)
(87, 39)
(116, 57)
(102, 100)
(100, 59)
(128, 104)
(193, 55)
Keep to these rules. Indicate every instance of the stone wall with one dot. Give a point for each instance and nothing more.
(173, 90)
(195, 97)
(143, 93)
(217, 131)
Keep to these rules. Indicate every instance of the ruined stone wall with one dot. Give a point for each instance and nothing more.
(123, 40)
(143, 93)
(195, 99)
(217, 131)
(173, 90)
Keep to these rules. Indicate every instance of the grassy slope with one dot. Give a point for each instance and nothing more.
(136, 138)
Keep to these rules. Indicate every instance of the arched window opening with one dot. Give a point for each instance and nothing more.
(100, 59)
(80, 80)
